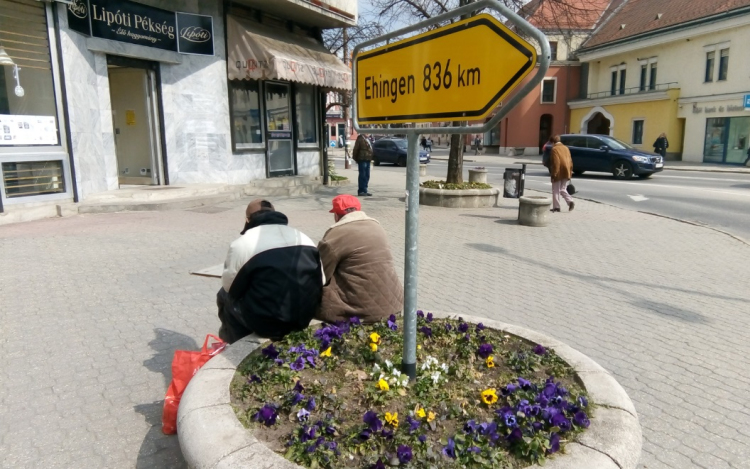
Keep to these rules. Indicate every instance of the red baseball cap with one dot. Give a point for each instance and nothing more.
(343, 202)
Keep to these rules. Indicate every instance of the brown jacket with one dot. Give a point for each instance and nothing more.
(362, 149)
(358, 266)
(560, 163)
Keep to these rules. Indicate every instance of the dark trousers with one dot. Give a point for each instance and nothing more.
(364, 176)
(231, 330)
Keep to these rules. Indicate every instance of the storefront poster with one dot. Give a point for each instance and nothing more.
(195, 34)
(135, 23)
(27, 130)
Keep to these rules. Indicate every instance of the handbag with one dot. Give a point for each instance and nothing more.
(571, 189)
(184, 365)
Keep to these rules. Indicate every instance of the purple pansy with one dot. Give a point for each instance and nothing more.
(311, 405)
(448, 327)
(426, 331)
(303, 415)
(270, 352)
(561, 422)
(297, 398)
(422, 438)
(404, 454)
(420, 313)
(392, 322)
(474, 449)
(387, 434)
(372, 421)
(463, 327)
(540, 350)
(413, 424)
(354, 320)
(298, 364)
(298, 386)
(515, 436)
(378, 465)
(524, 383)
(364, 435)
(308, 433)
(254, 379)
(480, 327)
(581, 419)
(509, 389)
(554, 443)
(549, 391)
(485, 350)
(279, 361)
(267, 415)
(583, 401)
(487, 429)
(450, 449)
(471, 427)
(510, 421)
(429, 317)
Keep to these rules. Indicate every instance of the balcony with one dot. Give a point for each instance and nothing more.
(319, 13)
(635, 90)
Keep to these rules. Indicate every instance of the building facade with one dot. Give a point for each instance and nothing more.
(657, 67)
(96, 94)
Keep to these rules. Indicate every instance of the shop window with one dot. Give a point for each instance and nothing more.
(644, 72)
(307, 119)
(247, 126)
(715, 140)
(553, 50)
(637, 132)
(492, 137)
(710, 57)
(33, 178)
(28, 112)
(723, 64)
(549, 86)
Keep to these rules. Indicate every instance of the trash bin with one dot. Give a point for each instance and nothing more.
(512, 183)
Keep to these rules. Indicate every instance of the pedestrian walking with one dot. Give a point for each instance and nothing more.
(429, 144)
(423, 143)
(546, 151)
(661, 144)
(560, 170)
(362, 154)
(477, 142)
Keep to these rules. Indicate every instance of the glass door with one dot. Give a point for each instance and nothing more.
(737, 143)
(279, 118)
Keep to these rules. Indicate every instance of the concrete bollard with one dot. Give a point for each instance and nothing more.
(532, 211)
(422, 169)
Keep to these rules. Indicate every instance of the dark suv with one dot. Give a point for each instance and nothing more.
(393, 150)
(602, 153)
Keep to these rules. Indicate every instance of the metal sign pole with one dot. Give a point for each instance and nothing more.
(409, 361)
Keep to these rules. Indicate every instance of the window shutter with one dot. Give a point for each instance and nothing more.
(23, 33)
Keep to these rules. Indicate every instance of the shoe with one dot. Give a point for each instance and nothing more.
(571, 206)
(361, 194)
(555, 210)
(368, 194)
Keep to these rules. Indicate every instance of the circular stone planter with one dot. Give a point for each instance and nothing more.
(211, 436)
(478, 175)
(470, 198)
(532, 211)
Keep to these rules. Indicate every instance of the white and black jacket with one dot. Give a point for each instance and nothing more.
(274, 280)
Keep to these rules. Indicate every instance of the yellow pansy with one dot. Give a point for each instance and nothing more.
(431, 416)
(374, 347)
(326, 352)
(375, 338)
(421, 413)
(392, 418)
(383, 385)
(490, 362)
(489, 396)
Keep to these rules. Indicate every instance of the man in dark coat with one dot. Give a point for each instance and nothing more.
(362, 154)
(272, 280)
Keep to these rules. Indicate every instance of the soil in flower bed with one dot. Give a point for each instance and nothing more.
(333, 396)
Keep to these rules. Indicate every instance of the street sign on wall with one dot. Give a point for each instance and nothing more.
(457, 72)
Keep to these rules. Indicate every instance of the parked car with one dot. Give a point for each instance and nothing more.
(602, 153)
(393, 150)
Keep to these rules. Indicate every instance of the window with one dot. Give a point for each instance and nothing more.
(33, 178)
(710, 56)
(723, 64)
(593, 143)
(613, 89)
(549, 86)
(644, 72)
(28, 111)
(553, 50)
(307, 134)
(247, 126)
(622, 81)
(637, 138)
(652, 77)
(492, 137)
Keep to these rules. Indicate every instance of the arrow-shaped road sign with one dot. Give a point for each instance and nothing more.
(457, 72)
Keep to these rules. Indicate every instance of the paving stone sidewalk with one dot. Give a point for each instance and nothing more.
(93, 307)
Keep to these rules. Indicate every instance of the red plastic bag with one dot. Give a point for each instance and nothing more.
(185, 364)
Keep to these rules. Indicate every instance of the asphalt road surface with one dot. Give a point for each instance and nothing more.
(718, 200)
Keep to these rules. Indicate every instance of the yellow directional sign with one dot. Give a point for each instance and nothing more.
(457, 72)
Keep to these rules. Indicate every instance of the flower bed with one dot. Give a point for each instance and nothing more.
(333, 397)
(455, 187)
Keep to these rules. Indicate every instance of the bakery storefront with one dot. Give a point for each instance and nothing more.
(278, 81)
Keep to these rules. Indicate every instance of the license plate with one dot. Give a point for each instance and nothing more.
(659, 165)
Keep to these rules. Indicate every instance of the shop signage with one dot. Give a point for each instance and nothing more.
(135, 23)
(729, 108)
(457, 72)
(747, 102)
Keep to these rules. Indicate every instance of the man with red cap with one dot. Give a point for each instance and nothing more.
(358, 266)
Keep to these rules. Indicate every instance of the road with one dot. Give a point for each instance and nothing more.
(718, 200)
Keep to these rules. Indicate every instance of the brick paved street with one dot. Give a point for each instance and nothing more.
(94, 306)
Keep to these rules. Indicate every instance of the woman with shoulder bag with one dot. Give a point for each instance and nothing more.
(660, 145)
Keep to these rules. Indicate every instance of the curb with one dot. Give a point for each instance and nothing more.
(211, 436)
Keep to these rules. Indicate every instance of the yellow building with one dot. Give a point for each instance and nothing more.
(651, 62)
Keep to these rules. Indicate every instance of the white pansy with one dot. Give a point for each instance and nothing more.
(435, 377)
(396, 372)
(444, 367)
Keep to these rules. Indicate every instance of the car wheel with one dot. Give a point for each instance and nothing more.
(376, 162)
(401, 161)
(645, 176)
(578, 172)
(622, 170)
